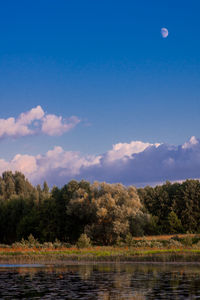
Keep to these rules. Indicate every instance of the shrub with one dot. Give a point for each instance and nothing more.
(48, 245)
(67, 245)
(26, 244)
(156, 244)
(187, 241)
(83, 241)
(197, 245)
(32, 242)
(143, 243)
(176, 238)
(57, 244)
(18, 245)
(129, 240)
(195, 239)
(4, 246)
(174, 243)
(119, 242)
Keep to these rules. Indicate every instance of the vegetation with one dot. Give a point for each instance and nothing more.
(154, 249)
(95, 214)
(83, 241)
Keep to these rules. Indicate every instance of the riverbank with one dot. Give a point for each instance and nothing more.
(169, 248)
(99, 254)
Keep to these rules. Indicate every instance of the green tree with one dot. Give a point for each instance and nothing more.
(115, 206)
(45, 188)
(174, 224)
(9, 184)
(80, 208)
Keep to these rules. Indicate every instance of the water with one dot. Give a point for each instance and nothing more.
(100, 281)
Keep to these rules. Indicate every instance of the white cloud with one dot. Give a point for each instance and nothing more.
(36, 121)
(191, 143)
(24, 163)
(54, 125)
(134, 163)
(126, 150)
(28, 117)
(56, 166)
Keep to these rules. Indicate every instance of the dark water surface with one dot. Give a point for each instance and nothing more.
(100, 281)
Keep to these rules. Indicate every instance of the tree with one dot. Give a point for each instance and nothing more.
(45, 188)
(9, 184)
(187, 204)
(115, 206)
(174, 224)
(2, 188)
(80, 208)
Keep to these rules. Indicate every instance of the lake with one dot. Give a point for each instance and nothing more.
(100, 281)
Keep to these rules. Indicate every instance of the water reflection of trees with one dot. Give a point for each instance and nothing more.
(104, 282)
(167, 282)
(142, 281)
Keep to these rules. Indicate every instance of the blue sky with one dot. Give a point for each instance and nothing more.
(106, 63)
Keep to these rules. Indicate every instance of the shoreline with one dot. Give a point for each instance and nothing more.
(102, 256)
(83, 263)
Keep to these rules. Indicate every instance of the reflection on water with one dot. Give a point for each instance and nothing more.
(101, 282)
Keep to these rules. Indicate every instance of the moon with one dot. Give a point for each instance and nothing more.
(164, 32)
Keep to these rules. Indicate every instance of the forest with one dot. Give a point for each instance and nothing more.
(106, 213)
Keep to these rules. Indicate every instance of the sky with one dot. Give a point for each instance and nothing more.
(91, 89)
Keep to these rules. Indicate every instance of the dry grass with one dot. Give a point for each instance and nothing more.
(146, 252)
(164, 237)
(101, 255)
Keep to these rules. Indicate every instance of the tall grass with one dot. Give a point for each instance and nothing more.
(101, 254)
(176, 248)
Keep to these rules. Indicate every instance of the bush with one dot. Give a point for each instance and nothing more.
(156, 244)
(129, 240)
(119, 242)
(18, 245)
(4, 246)
(196, 239)
(142, 243)
(57, 244)
(32, 242)
(67, 245)
(187, 241)
(83, 241)
(174, 243)
(197, 245)
(176, 238)
(48, 245)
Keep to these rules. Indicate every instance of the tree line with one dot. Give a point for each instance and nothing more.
(107, 213)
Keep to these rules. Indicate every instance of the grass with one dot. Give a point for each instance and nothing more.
(143, 249)
(101, 254)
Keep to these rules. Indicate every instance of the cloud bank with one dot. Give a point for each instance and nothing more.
(134, 163)
(36, 121)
